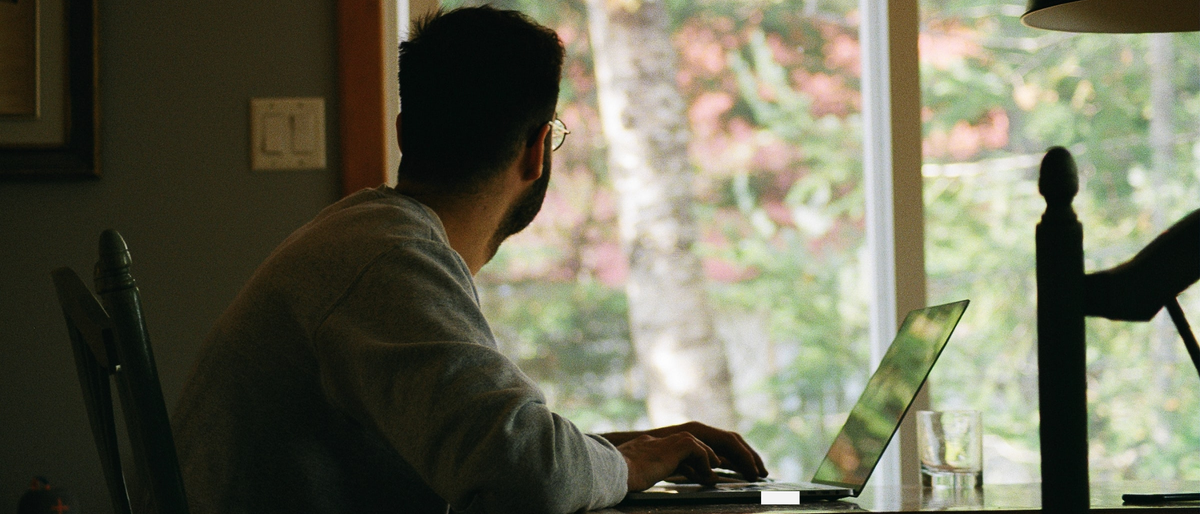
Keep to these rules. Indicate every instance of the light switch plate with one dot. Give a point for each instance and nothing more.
(287, 133)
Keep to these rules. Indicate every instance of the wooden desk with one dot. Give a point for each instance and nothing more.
(992, 499)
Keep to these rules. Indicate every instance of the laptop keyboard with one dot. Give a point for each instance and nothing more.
(772, 486)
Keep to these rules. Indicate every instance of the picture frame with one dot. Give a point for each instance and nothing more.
(76, 153)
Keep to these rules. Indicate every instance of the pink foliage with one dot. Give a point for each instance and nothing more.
(724, 271)
(706, 111)
(767, 92)
(741, 130)
(785, 55)
(716, 237)
(711, 153)
(942, 45)
(580, 76)
(995, 133)
(964, 140)
(842, 53)
(829, 93)
(700, 50)
(774, 156)
(778, 212)
(782, 180)
(604, 205)
(607, 262)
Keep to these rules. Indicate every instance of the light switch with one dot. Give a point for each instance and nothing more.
(304, 133)
(275, 134)
(287, 133)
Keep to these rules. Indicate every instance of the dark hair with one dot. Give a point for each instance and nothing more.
(475, 84)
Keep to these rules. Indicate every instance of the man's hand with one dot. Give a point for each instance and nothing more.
(651, 459)
(691, 449)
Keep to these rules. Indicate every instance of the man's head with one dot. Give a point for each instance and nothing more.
(476, 87)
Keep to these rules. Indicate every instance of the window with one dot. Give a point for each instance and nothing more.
(756, 313)
(995, 95)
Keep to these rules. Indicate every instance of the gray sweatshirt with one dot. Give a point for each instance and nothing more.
(356, 373)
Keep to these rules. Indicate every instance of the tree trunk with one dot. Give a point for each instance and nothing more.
(642, 113)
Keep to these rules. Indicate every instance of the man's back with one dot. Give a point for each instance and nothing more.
(355, 373)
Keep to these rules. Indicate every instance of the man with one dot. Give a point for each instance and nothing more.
(355, 371)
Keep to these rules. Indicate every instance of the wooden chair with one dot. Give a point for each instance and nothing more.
(1135, 291)
(109, 338)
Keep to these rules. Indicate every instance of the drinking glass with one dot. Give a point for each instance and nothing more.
(951, 447)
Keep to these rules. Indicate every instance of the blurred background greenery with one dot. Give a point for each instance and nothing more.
(771, 113)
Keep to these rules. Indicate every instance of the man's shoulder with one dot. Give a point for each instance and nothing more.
(378, 212)
(365, 231)
(364, 225)
(368, 241)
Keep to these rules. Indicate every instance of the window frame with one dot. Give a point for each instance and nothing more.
(891, 92)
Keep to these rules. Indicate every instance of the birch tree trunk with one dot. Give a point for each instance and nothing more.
(643, 117)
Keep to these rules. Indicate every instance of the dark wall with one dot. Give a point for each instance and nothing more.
(176, 79)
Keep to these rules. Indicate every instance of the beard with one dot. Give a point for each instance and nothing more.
(525, 209)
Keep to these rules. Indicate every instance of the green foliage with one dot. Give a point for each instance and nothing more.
(572, 338)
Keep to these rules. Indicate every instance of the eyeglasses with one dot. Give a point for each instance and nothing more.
(558, 133)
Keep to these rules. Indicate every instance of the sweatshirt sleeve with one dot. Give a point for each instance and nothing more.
(406, 352)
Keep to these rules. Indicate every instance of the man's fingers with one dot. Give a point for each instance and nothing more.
(694, 446)
(733, 449)
(696, 458)
(734, 452)
(695, 476)
(757, 460)
(738, 456)
(742, 458)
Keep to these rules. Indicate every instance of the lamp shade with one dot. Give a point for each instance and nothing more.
(1114, 16)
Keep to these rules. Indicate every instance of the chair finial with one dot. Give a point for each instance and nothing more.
(1058, 178)
(112, 268)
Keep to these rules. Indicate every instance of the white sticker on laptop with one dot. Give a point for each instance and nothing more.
(781, 497)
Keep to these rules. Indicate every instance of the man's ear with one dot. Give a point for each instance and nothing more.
(535, 155)
(399, 136)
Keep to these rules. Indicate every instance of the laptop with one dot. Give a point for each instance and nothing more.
(869, 428)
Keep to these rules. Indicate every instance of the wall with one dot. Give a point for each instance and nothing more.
(175, 83)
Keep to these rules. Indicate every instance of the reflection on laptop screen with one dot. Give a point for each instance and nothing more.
(887, 396)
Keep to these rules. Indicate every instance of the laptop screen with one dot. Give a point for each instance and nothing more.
(874, 419)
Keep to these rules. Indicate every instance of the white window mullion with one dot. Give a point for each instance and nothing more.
(893, 187)
(395, 30)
